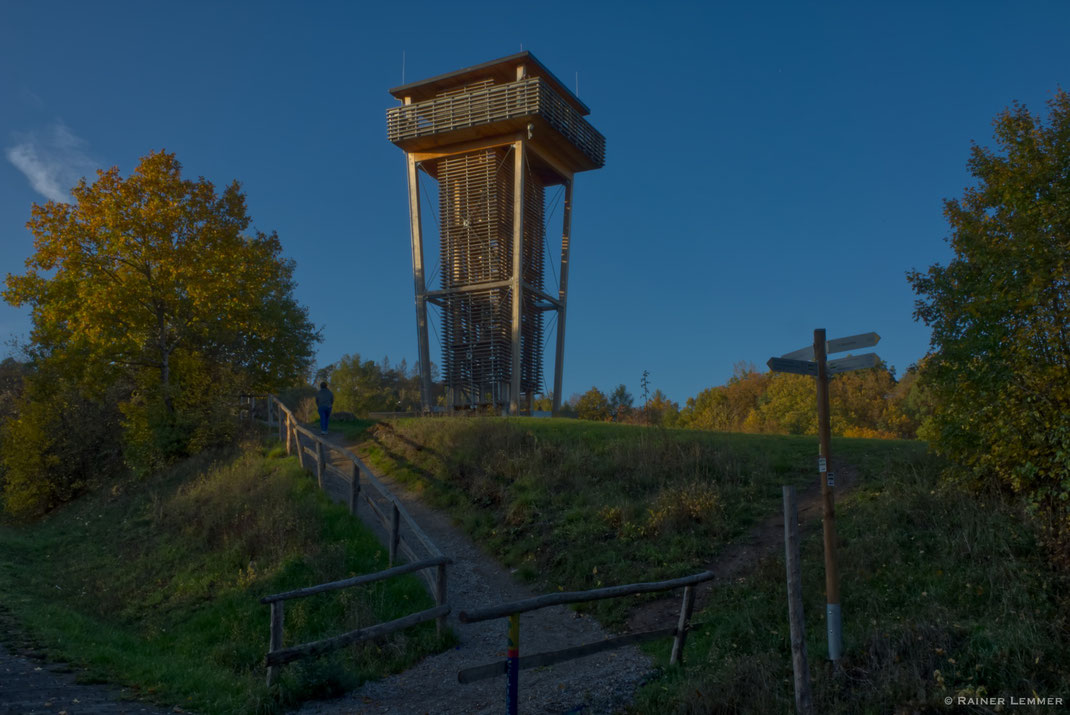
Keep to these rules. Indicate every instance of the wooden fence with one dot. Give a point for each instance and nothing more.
(404, 535)
(513, 664)
(315, 449)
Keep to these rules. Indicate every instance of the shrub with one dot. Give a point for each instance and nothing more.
(55, 445)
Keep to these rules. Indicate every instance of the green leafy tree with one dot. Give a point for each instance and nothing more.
(865, 403)
(918, 402)
(360, 386)
(788, 406)
(862, 403)
(911, 406)
(620, 403)
(999, 311)
(56, 443)
(12, 377)
(544, 402)
(726, 408)
(593, 405)
(363, 386)
(152, 283)
(660, 410)
(140, 269)
(707, 411)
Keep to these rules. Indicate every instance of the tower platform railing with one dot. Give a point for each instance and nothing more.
(490, 104)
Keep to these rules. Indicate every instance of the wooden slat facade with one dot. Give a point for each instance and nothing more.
(493, 136)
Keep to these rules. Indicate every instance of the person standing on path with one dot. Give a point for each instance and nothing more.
(324, 401)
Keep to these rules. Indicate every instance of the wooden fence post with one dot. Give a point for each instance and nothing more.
(354, 489)
(275, 642)
(677, 657)
(395, 527)
(804, 703)
(270, 414)
(320, 462)
(252, 409)
(289, 436)
(440, 598)
(512, 688)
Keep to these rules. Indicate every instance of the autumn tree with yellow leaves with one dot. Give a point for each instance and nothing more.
(149, 292)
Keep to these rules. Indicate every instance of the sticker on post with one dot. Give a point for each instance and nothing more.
(822, 464)
(831, 478)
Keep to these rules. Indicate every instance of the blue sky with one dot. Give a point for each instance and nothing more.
(770, 169)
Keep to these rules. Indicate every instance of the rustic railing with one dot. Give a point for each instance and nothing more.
(391, 515)
(278, 656)
(513, 663)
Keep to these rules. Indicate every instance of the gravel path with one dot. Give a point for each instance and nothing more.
(600, 683)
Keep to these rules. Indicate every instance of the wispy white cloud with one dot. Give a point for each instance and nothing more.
(53, 160)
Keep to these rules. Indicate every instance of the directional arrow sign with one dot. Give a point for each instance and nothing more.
(855, 342)
(806, 353)
(839, 345)
(854, 362)
(799, 367)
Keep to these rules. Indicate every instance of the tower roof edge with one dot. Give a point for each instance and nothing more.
(502, 69)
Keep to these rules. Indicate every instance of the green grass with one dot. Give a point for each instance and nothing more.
(943, 593)
(354, 430)
(156, 585)
(577, 505)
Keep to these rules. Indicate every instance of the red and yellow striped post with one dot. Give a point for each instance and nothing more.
(512, 668)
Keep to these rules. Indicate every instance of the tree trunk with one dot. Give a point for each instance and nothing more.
(165, 361)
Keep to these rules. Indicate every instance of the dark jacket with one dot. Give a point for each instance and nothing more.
(324, 398)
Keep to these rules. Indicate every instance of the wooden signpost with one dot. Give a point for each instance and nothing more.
(799, 367)
(813, 360)
(853, 362)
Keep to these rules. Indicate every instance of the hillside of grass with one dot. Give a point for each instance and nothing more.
(575, 505)
(945, 593)
(156, 585)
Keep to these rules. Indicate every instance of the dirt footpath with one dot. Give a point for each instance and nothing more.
(740, 556)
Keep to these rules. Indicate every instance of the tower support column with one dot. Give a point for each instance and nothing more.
(517, 278)
(562, 295)
(416, 229)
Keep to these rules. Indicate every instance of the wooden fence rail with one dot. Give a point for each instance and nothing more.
(432, 567)
(319, 452)
(277, 655)
(514, 663)
(567, 597)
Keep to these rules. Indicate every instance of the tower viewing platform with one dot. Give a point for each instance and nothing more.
(491, 138)
(492, 99)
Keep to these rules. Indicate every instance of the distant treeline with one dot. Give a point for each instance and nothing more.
(361, 386)
(865, 403)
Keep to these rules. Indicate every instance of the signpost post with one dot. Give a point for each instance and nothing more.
(824, 436)
(813, 360)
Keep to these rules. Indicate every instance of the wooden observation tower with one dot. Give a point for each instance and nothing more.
(493, 137)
